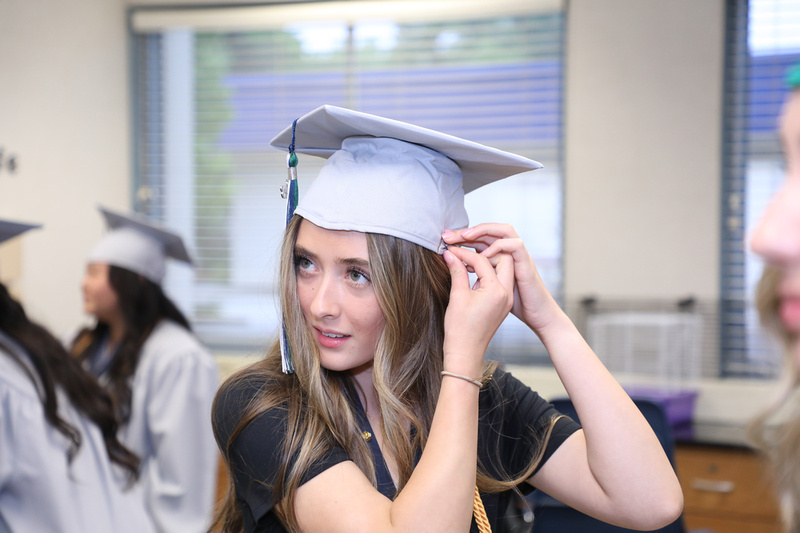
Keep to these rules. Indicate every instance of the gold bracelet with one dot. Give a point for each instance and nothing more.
(478, 383)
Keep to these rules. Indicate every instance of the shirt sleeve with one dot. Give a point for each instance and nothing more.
(181, 476)
(256, 454)
(513, 426)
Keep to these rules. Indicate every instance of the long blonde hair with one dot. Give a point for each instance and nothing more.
(780, 442)
(412, 286)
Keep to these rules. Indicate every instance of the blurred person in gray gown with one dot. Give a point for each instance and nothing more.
(62, 468)
(161, 378)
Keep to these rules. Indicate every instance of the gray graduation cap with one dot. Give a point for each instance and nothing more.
(390, 177)
(138, 244)
(10, 229)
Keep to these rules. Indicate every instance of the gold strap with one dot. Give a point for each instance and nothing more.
(480, 513)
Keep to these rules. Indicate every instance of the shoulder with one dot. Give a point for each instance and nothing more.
(14, 380)
(509, 406)
(516, 422)
(169, 334)
(260, 432)
(251, 436)
(170, 343)
(505, 398)
(235, 399)
(505, 390)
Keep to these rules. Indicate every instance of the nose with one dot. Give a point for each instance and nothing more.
(326, 300)
(777, 235)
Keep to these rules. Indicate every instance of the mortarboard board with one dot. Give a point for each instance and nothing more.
(390, 177)
(9, 229)
(138, 244)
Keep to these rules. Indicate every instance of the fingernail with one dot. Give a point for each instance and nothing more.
(446, 233)
(448, 257)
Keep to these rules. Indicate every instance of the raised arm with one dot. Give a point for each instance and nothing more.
(439, 493)
(615, 469)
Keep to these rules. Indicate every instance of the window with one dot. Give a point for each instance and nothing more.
(213, 86)
(764, 40)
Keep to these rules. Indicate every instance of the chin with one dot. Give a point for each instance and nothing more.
(334, 366)
(341, 364)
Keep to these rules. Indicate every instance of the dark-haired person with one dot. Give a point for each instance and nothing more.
(62, 469)
(160, 376)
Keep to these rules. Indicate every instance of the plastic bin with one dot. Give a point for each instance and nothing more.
(678, 405)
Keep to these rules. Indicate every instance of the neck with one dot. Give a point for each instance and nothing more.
(366, 389)
(116, 330)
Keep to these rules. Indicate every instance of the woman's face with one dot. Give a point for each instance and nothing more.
(99, 298)
(335, 291)
(777, 236)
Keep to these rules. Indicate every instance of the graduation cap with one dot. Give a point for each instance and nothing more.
(138, 244)
(390, 177)
(10, 229)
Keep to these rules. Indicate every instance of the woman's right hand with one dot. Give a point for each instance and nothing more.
(474, 313)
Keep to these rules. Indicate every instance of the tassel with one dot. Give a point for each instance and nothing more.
(290, 193)
(479, 512)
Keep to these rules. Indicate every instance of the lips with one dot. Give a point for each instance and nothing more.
(331, 339)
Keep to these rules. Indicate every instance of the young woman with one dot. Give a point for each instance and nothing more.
(777, 239)
(60, 460)
(392, 420)
(162, 380)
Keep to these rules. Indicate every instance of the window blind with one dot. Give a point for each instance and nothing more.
(213, 86)
(763, 41)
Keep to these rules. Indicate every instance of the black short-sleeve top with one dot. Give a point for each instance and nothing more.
(512, 421)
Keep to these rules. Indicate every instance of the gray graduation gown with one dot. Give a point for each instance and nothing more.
(40, 490)
(170, 429)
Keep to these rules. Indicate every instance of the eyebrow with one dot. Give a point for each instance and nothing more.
(351, 261)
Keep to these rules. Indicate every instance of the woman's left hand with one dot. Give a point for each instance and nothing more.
(533, 304)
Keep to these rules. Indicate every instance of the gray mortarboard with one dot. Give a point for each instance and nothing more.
(390, 177)
(10, 229)
(138, 244)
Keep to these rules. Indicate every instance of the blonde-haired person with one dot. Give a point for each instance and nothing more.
(777, 240)
(391, 416)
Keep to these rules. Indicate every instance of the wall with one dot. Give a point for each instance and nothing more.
(642, 143)
(64, 114)
(643, 128)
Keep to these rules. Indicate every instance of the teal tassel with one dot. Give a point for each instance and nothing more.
(793, 77)
(290, 193)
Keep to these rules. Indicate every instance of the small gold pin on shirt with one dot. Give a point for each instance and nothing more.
(366, 435)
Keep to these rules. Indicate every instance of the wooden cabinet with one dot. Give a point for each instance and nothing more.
(726, 490)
